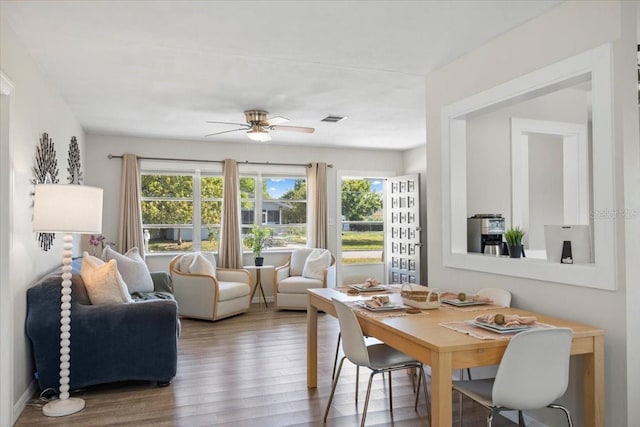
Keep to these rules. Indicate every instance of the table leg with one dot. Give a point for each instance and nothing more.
(441, 395)
(312, 345)
(594, 385)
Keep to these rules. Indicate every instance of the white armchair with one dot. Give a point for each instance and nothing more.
(307, 268)
(208, 296)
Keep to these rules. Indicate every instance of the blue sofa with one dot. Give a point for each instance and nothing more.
(109, 343)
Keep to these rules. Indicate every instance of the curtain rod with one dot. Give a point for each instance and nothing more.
(246, 162)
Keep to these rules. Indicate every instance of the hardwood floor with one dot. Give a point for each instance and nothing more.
(250, 370)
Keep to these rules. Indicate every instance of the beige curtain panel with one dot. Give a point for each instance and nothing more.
(230, 251)
(317, 205)
(130, 227)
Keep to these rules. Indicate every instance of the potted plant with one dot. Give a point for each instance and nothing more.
(257, 239)
(514, 236)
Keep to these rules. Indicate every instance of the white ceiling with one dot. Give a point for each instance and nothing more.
(163, 68)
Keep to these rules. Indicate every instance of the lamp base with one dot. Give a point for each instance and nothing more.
(63, 407)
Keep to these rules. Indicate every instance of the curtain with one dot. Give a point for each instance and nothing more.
(130, 227)
(317, 205)
(230, 252)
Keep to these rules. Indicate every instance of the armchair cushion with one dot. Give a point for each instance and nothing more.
(232, 290)
(316, 263)
(298, 285)
(103, 282)
(133, 269)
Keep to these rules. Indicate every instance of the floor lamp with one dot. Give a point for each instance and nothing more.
(66, 209)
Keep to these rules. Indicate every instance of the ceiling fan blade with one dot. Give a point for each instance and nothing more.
(272, 121)
(226, 131)
(293, 128)
(228, 123)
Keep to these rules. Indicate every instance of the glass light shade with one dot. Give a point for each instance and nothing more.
(258, 135)
(67, 208)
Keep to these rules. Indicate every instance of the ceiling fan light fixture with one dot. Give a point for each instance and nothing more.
(258, 135)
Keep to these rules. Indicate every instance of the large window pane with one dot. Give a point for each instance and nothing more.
(362, 221)
(167, 211)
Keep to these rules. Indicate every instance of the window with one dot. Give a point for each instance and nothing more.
(281, 206)
(362, 220)
(181, 212)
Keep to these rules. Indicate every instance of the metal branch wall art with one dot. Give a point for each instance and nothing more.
(45, 171)
(75, 174)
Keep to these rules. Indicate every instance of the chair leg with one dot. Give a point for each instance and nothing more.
(521, 419)
(357, 382)
(490, 418)
(390, 393)
(366, 401)
(469, 373)
(422, 376)
(417, 392)
(563, 409)
(460, 405)
(333, 390)
(335, 359)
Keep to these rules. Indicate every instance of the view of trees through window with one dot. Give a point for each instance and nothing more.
(170, 202)
(362, 220)
(283, 209)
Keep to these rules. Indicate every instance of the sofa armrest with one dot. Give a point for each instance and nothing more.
(233, 275)
(161, 281)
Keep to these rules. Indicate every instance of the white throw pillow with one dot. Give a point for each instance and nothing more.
(316, 263)
(298, 258)
(103, 282)
(184, 262)
(201, 265)
(133, 269)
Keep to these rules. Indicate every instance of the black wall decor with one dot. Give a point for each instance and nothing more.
(45, 171)
(75, 174)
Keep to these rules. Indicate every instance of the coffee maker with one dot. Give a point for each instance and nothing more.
(484, 234)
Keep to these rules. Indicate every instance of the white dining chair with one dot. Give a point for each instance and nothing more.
(498, 296)
(379, 358)
(533, 373)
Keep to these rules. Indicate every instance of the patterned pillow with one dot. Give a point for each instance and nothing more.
(133, 269)
(103, 282)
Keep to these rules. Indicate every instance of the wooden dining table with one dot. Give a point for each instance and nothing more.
(423, 337)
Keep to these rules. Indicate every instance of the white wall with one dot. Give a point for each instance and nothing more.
(566, 30)
(106, 174)
(36, 108)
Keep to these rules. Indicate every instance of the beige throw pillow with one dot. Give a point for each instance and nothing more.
(202, 265)
(316, 263)
(103, 282)
(133, 269)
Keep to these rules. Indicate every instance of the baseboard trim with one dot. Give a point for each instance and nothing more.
(22, 402)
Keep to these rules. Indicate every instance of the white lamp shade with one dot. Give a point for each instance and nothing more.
(67, 208)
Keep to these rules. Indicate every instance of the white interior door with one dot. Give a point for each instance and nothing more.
(402, 229)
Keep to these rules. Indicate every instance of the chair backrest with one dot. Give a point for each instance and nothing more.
(499, 296)
(534, 370)
(353, 343)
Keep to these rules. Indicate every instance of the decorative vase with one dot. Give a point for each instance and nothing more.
(515, 251)
(259, 261)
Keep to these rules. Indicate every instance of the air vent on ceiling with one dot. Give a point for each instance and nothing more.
(332, 118)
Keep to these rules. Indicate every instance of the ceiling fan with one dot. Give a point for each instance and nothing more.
(258, 126)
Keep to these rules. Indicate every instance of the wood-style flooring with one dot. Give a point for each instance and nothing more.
(250, 370)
